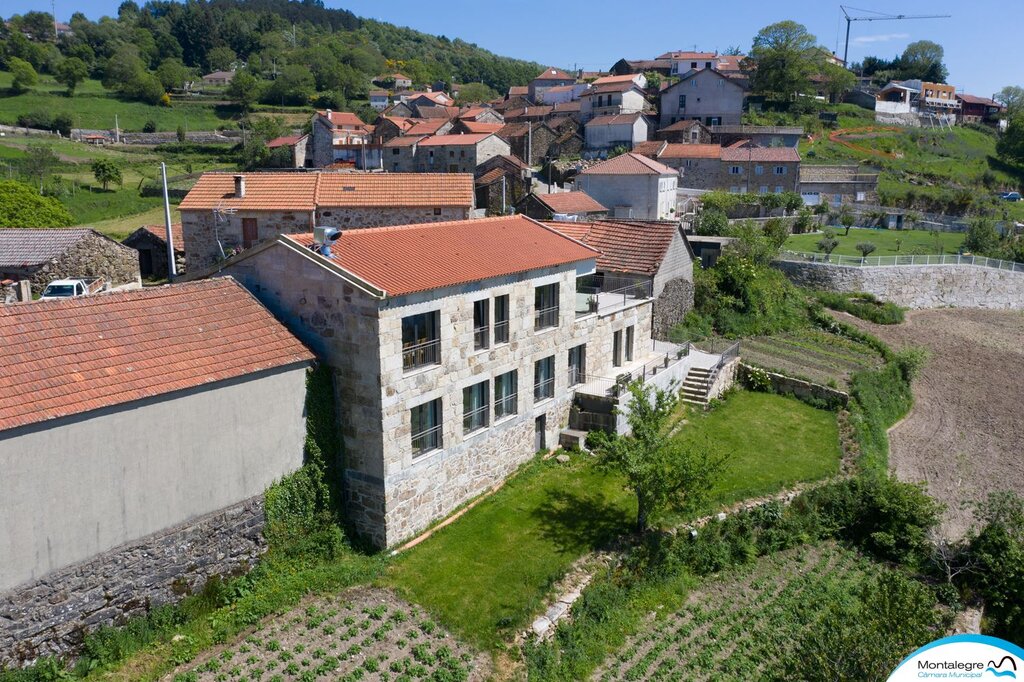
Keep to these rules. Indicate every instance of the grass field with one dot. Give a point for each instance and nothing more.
(912, 242)
(810, 354)
(772, 442)
(740, 625)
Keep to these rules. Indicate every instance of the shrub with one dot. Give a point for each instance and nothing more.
(757, 379)
(149, 126)
(863, 305)
(998, 553)
(22, 206)
(866, 248)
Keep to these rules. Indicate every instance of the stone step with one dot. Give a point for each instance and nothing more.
(572, 437)
(696, 382)
(691, 401)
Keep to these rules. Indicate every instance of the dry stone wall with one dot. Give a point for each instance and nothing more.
(917, 286)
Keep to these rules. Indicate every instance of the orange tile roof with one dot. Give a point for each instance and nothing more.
(345, 119)
(691, 151)
(570, 202)
(629, 164)
(614, 119)
(160, 232)
(481, 127)
(626, 246)
(426, 127)
(410, 258)
(307, 191)
(68, 357)
(553, 74)
(769, 154)
(490, 176)
(404, 141)
(625, 78)
(439, 140)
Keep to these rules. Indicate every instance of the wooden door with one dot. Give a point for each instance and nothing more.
(249, 233)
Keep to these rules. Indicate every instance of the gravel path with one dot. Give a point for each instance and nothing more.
(964, 438)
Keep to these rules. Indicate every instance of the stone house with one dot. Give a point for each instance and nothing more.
(529, 141)
(568, 144)
(42, 256)
(151, 243)
(564, 93)
(389, 127)
(611, 99)
(699, 165)
(685, 132)
(397, 80)
(632, 186)
(566, 109)
(456, 153)
(136, 452)
(481, 114)
(451, 371)
(297, 146)
(760, 170)
(705, 95)
(335, 132)
(571, 205)
(627, 130)
(501, 183)
(469, 126)
(225, 213)
(218, 79)
(535, 114)
(838, 185)
(547, 79)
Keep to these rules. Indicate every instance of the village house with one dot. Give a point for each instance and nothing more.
(535, 114)
(547, 79)
(225, 213)
(627, 130)
(912, 102)
(634, 66)
(682, 61)
(464, 126)
(687, 132)
(297, 146)
(704, 95)
(978, 110)
(742, 167)
(43, 255)
(338, 135)
(151, 243)
(397, 80)
(481, 114)
(632, 186)
(837, 185)
(699, 165)
(529, 141)
(379, 99)
(389, 127)
(451, 371)
(501, 183)
(218, 79)
(611, 99)
(562, 205)
(427, 100)
(135, 452)
(561, 94)
(451, 153)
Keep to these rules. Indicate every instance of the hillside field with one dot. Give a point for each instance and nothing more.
(919, 242)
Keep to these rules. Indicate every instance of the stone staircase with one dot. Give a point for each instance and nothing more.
(696, 386)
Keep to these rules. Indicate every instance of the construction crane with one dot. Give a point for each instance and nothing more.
(877, 16)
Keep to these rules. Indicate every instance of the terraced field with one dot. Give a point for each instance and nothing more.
(741, 625)
(810, 354)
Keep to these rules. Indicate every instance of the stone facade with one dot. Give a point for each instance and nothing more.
(835, 185)
(671, 306)
(801, 389)
(92, 256)
(51, 615)
(917, 286)
(152, 254)
(493, 195)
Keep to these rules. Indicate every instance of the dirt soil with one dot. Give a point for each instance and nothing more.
(964, 437)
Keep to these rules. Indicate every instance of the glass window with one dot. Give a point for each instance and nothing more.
(577, 364)
(481, 324)
(475, 406)
(617, 349)
(426, 427)
(506, 394)
(501, 319)
(682, 101)
(629, 343)
(780, 170)
(758, 170)
(734, 170)
(545, 304)
(544, 378)
(421, 340)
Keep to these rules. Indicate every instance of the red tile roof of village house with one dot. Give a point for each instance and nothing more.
(67, 357)
(973, 99)
(553, 74)
(439, 98)
(409, 258)
(675, 150)
(629, 164)
(473, 112)
(439, 140)
(605, 88)
(570, 202)
(770, 154)
(680, 125)
(284, 141)
(687, 55)
(626, 246)
(343, 119)
(511, 131)
(396, 76)
(518, 90)
(160, 232)
(306, 191)
(438, 111)
(614, 119)
(560, 88)
(729, 62)
(624, 78)
(490, 176)
(482, 127)
(426, 127)
(404, 141)
(526, 112)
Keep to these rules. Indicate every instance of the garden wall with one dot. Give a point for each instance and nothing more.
(916, 286)
(801, 389)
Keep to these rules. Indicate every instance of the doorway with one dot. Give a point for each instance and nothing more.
(540, 428)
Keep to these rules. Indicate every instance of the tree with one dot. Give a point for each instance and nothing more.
(1010, 146)
(180, 133)
(838, 80)
(846, 218)
(471, 93)
(221, 58)
(828, 242)
(294, 85)
(922, 59)
(172, 74)
(23, 75)
(782, 60)
(998, 553)
(866, 248)
(653, 81)
(245, 90)
(22, 206)
(70, 72)
(663, 472)
(39, 162)
(982, 238)
(106, 172)
(1012, 97)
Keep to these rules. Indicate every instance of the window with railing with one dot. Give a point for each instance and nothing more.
(545, 305)
(426, 427)
(629, 343)
(506, 394)
(577, 364)
(475, 407)
(481, 324)
(544, 379)
(421, 340)
(501, 319)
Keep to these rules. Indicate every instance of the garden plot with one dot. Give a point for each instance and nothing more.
(740, 625)
(362, 634)
(810, 354)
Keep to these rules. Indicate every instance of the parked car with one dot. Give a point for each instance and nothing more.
(1010, 196)
(72, 288)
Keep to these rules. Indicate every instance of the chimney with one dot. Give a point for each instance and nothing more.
(239, 186)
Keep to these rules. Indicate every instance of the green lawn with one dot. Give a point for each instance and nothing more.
(487, 574)
(772, 442)
(913, 241)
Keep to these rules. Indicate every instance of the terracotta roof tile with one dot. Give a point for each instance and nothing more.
(490, 176)
(480, 127)
(439, 140)
(626, 246)
(160, 232)
(625, 78)
(263, 191)
(570, 202)
(553, 74)
(284, 141)
(563, 107)
(67, 357)
(629, 164)
(691, 151)
(20, 246)
(426, 127)
(344, 119)
(404, 141)
(779, 154)
(614, 119)
(409, 258)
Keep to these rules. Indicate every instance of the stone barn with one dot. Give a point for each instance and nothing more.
(42, 256)
(151, 243)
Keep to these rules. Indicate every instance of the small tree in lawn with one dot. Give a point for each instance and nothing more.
(828, 242)
(106, 172)
(665, 473)
(865, 248)
(846, 218)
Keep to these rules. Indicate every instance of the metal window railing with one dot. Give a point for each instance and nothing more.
(426, 440)
(576, 376)
(546, 317)
(501, 332)
(482, 337)
(893, 261)
(475, 419)
(421, 354)
(503, 407)
(542, 390)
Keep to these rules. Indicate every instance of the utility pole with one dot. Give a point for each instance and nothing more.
(53, 11)
(172, 270)
(117, 130)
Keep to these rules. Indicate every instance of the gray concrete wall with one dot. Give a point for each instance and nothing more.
(639, 192)
(917, 286)
(718, 97)
(76, 487)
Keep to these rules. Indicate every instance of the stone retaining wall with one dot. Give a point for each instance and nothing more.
(916, 286)
(801, 389)
(50, 616)
(671, 306)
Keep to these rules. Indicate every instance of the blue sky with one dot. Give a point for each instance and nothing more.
(983, 41)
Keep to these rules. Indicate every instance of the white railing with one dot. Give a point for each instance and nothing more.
(546, 317)
(892, 261)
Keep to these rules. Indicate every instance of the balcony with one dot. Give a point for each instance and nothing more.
(601, 300)
(421, 354)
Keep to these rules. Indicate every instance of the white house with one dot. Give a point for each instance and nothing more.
(621, 97)
(605, 132)
(632, 186)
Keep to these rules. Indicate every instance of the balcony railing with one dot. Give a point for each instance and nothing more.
(475, 419)
(545, 389)
(576, 376)
(482, 337)
(586, 301)
(546, 317)
(507, 406)
(501, 332)
(425, 441)
(421, 354)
